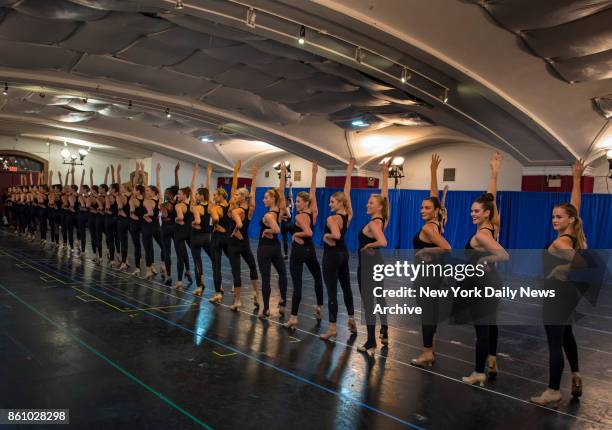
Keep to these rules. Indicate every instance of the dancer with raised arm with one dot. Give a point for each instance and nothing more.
(429, 243)
(182, 232)
(558, 259)
(201, 229)
(123, 219)
(336, 257)
(168, 214)
(137, 211)
(371, 239)
(483, 249)
(238, 245)
(150, 226)
(303, 251)
(219, 209)
(269, 248)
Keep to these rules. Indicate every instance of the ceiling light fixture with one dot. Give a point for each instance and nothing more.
(359, 54)
(302, 38)
(168, 115)
(73, 158)
(206, 139)
(445, 96)
(405, 75)
(396, 170)
(5, 92)
(359, 123)
(179, 4)
(250, 18)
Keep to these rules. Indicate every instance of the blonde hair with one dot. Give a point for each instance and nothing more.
(384, 203)
(341, 197)
(305, 196)
(572, 212)
(222, 192)
(275, 195)
(244, 193)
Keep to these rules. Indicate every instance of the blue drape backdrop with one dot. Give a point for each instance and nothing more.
(525, 217)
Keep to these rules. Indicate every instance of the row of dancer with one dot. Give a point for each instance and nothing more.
(211, 222)
(484, 246)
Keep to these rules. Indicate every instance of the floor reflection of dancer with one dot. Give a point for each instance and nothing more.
(429, 243)
(371, 239)
(557, 260)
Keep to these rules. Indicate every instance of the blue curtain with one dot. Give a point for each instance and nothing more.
(525, 217)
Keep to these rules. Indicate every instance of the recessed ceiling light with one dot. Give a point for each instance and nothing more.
(359, 123)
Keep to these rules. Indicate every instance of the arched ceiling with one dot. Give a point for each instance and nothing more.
(216, 79)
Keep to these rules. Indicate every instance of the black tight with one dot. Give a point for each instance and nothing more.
(110, 226)
(181, 237)
(241, 248)
(200, 240)
(82, 219)
(268, 255)
(486, 344)
(430, 309)
(43, 223)
(150, 231)
(123, 227)
(100, 231)
(52, 225)
(560, 338)
(135, 233)
(93, 233)
(64, 226)
(300, 255)
(58, 223)
(367, 296)
(336, 268)
(70, 225)
(283, 234)
(219, 246)
(167, 233)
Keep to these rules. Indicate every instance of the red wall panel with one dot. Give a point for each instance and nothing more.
(539, 183)
(242, 182)
(356, 182)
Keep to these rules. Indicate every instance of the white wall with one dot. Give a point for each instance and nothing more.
(471, 163)
(95, 159)
(166, 173)
(297, 163)
(601, 171)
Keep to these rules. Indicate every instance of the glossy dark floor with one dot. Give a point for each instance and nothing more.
(120, 352)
